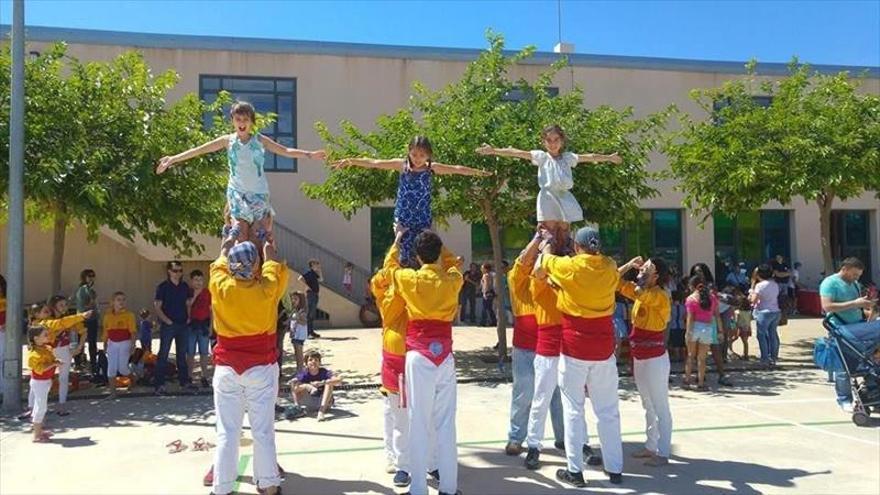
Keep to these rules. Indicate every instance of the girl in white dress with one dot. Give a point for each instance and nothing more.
(557, 208)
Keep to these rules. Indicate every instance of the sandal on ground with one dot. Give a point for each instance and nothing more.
(41, 439)
(175, 447)
(656, 461)
(643, 454)
(202, 445)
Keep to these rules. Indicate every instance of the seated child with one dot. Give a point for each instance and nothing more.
(312, 388)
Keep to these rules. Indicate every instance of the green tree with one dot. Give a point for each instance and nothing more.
(478, 109)
(819, 139)
(94, 132)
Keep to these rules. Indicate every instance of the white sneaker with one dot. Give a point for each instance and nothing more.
(322, 417)
(390, 468)
(847, 407)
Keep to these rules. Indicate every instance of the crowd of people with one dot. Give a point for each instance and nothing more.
(574, 311)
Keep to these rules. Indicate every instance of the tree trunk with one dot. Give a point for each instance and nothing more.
(58, 237)
(825, 201)
(497, 255)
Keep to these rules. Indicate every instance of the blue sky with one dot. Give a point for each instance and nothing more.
(819, 32)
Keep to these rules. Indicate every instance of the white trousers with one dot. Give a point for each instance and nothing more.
(601, 379)
(396, 432)
(40, 390)
(546, 382)
(652, 380)
(63, 354)
(431, 394)
(117, 358)
(253, 391)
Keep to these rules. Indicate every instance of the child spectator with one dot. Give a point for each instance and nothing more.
(677, 323)
(42, 363)
(119, 332)
(743, 325)
(346, 276)
(199, 305)
(145, 330)
(299, 330)
(313, 387)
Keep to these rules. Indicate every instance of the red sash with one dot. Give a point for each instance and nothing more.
(392, 370)
(646, 344)
(549, 341)
(243, 353)
(46, 375)
(118, 334)
(525, 332)
(588, 339)
(62, 340)
(430, 338)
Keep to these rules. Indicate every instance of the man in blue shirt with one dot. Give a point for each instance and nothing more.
(170, 306)
(841, 296)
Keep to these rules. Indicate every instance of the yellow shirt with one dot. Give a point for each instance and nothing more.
(246, 307)
(429, 293)
(546, 304)
(41, 360)
(57, 326)
(651, 308)
(118, 326)
(587, 283)
(393, 313)
(520, 281)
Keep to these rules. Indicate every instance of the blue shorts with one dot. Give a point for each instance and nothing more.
(199, 336)
(703, 333)
(247, 206)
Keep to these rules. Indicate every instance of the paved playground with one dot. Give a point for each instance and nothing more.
(775, 432)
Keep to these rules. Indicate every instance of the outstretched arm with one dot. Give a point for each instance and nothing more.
(596, 158)
(276, 148)
(443, 169)
(395, 164)
(216, 145)
(485, 149)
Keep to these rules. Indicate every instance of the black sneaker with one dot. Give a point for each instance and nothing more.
(559, 445)
(723, 381)
(591, 457)
(314, 335)
(435, 474)
(401, 478)
(615, 478)
(574, 479)
(205, 383)
(533, 459)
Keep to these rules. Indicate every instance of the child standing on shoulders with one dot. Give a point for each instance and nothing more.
(557, 208)
(199, 305)
(299, 330)
(42, 363)
(413, 207)
(247, 192)
(119, 334)
(313, 387)
(346, 276)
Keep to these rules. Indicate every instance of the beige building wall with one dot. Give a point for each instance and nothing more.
(332, 87)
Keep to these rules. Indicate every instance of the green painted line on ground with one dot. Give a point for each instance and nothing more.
(625, 434)
(243, 462)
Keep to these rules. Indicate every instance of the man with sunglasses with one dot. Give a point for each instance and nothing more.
(170, 306)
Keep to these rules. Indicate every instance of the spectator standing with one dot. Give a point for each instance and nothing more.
(170, 304)
(312, 278)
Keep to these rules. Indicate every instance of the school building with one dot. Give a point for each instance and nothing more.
(304, 82)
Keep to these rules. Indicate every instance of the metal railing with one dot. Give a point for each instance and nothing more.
(298, 250)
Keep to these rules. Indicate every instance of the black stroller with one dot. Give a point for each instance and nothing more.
(856, 357)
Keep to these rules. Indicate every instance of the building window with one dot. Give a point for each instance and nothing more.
(381, 224)
(654, 233)
(718, 105)
(513, 240)
(519, 94)
(267, 95)
(753, 238)
(851, 236)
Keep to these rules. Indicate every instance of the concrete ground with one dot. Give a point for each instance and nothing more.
(775, 431)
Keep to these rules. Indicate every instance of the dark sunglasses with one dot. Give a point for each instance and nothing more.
(177, 270)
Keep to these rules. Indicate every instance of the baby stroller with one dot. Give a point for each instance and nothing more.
(845, 352)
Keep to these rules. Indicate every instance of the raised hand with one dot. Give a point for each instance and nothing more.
(318, 155)
(344, 163)
(88, 314)
(484, 149)
(615, 159)
(164, 164)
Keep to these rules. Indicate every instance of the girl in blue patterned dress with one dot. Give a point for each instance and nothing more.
(247, 192)
(413, 207)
